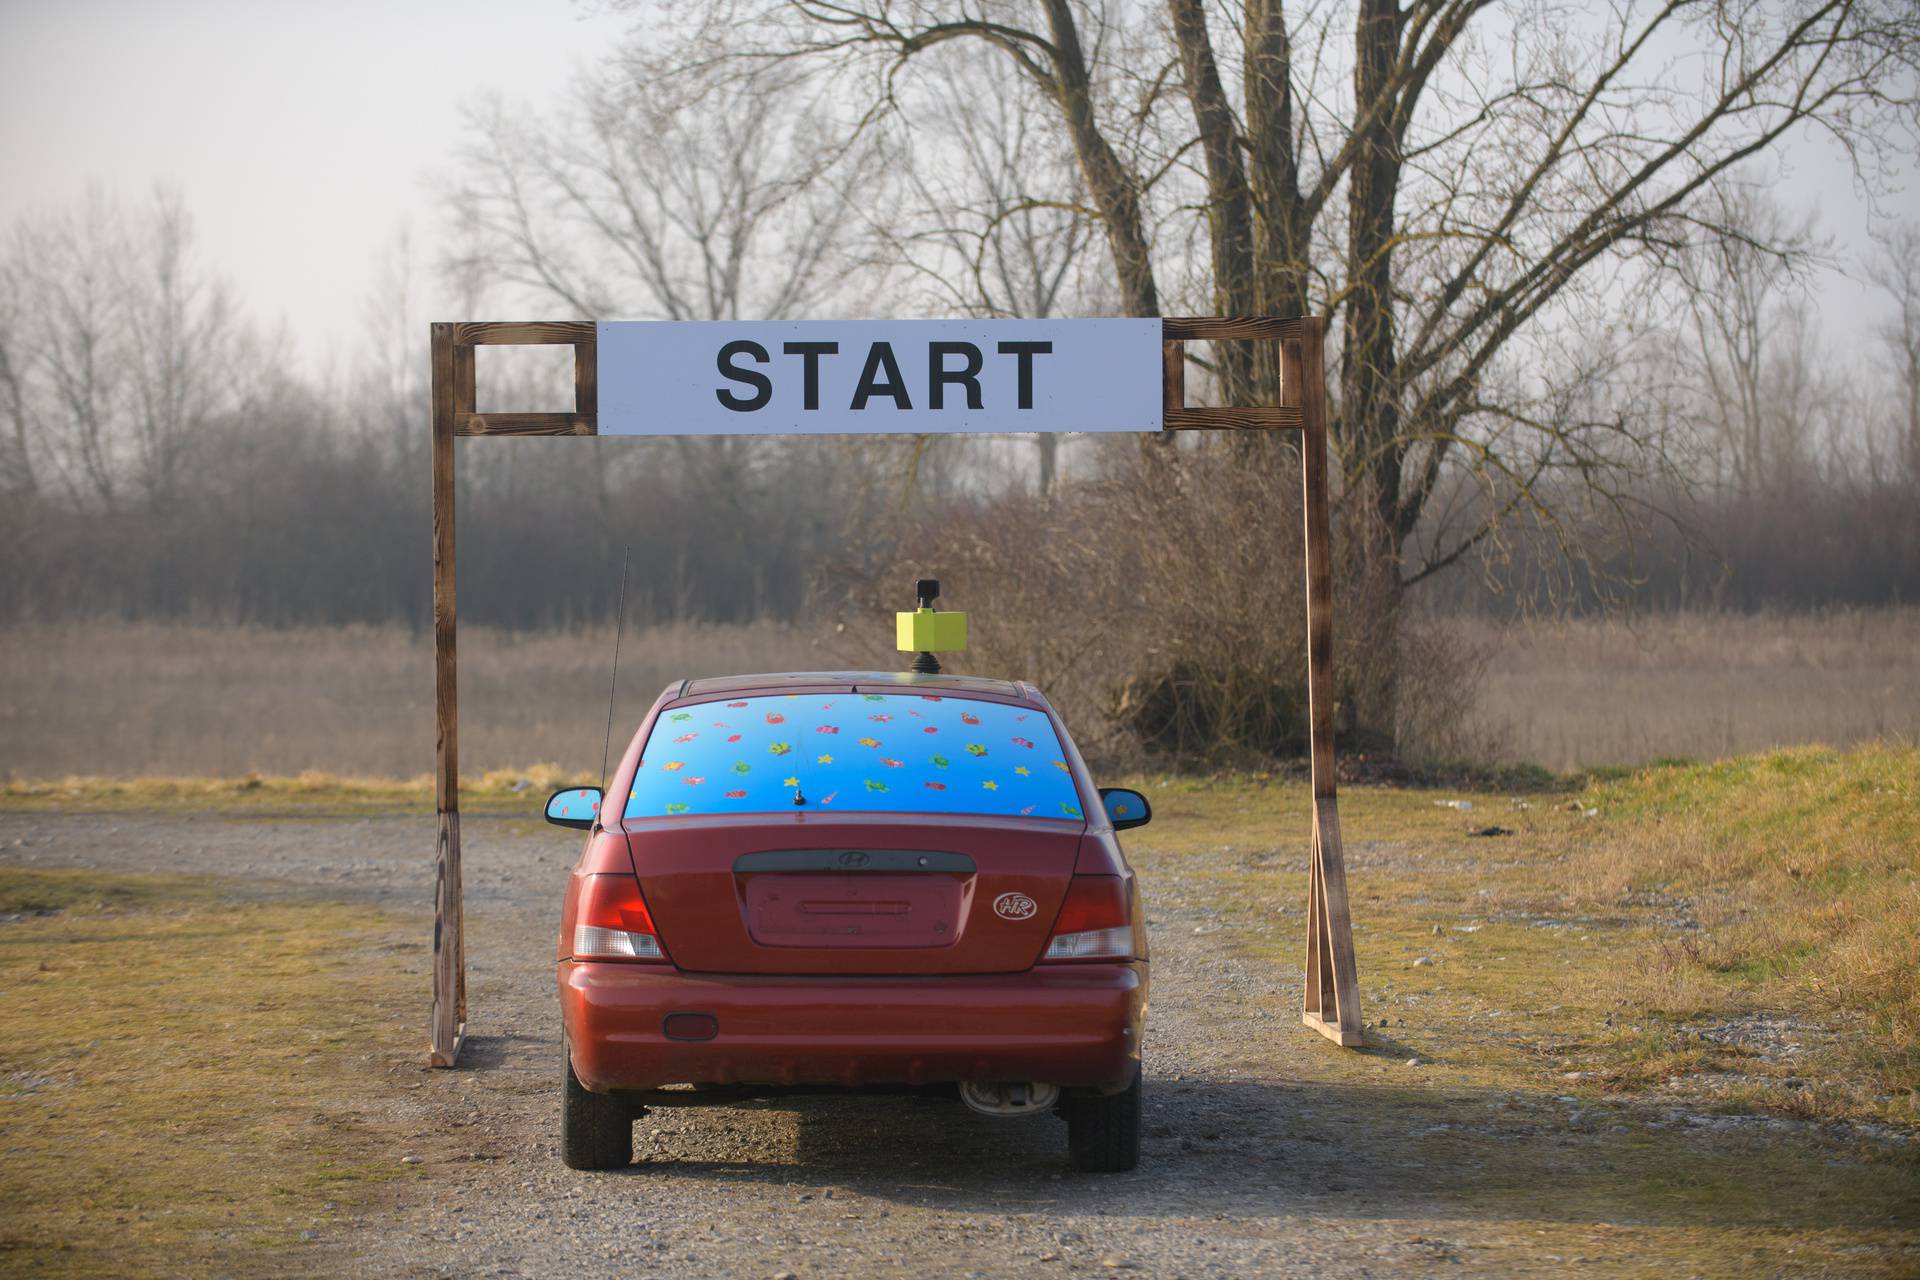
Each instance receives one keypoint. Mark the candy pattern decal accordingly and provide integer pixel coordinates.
(898, 764)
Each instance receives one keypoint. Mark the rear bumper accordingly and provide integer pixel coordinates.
(1073, 1025)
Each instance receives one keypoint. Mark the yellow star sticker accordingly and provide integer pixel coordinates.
(826, 759)
(1022, 770)
(791, 782)
(991, 785)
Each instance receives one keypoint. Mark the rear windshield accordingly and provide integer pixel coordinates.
(871, 753)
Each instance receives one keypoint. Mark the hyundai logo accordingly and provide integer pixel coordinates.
(853, 858)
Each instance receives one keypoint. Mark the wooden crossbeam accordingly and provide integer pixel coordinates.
(1332, 1003)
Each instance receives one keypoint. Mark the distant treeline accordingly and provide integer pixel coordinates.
(320, 526)
(289, 520)
(159, 460)
(1833, 542)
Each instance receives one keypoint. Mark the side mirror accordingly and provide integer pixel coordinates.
(1126, 808)
(577, 807)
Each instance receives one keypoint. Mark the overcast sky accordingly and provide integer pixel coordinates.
(301, 135)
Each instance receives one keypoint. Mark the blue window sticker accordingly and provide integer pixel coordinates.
(859, 753)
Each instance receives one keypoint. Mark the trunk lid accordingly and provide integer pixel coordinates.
(854, 894)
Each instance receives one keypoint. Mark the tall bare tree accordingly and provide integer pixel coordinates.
(639, 197)
(1744, 337)
(648, 195)
(1896, 270)
(119, 350)
(1442, 177)
(992, 223)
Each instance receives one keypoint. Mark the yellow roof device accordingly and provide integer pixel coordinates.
(927, 631)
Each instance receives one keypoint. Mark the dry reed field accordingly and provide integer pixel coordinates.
(1603, 691)
(148, 698)
(151, 698)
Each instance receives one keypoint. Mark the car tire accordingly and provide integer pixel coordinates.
(596, 1129)
(1103, 1132)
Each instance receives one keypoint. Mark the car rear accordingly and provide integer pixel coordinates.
(912, 893)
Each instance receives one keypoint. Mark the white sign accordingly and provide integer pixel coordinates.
(861, 377)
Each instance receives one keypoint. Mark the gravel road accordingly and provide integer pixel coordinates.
(1247, 1170)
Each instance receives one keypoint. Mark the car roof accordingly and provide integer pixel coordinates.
(855, 682)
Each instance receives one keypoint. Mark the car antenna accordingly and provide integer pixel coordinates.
(620, 624)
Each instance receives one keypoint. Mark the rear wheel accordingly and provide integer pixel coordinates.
(596, 1129)
(1103, 1132)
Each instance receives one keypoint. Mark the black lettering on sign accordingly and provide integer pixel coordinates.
(939, 377)
(894, 388)
(731, 370)
(1026, 351)
(810, 353)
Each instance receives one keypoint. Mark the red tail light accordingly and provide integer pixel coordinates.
(612, 922)
(1094, 922)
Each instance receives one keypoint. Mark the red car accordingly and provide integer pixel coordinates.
(835, 881)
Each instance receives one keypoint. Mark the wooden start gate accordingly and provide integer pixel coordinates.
(669, 378)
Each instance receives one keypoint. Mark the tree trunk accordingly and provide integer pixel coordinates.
(1108, 180)
(1280, 224)
(1369, 408)
(1229, 202)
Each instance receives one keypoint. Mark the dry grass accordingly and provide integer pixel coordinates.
(159, 1119)
(1801, 869)
(1743, 935)
(1736, 937)
(1573, 694)
(160, 699)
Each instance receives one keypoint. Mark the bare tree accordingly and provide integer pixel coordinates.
(1745, 340)
(652, 194)
(120, 350)
(642, 196)
(70, 319)
(993, 224)
(17, 474)
(187, 351)
(1442, 177)
(1897, 273)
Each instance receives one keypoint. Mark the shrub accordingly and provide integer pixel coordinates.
(1162, 606)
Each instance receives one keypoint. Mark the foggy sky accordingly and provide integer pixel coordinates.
(303, 136)
(300, 135)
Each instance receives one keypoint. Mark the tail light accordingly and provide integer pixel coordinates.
(612, 922)
(1094, 922)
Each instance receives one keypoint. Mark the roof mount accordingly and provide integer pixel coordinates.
(927, 630)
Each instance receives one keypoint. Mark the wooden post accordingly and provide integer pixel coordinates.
(1332, 1004)
(452, 374)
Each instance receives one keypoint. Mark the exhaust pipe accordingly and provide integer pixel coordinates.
(1018, 1099)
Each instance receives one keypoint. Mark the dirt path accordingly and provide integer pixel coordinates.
(1248, 1169)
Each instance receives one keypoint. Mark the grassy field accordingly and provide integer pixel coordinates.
(1744, 935)
(159, 1118)
(131, 699)
(1729, 949)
